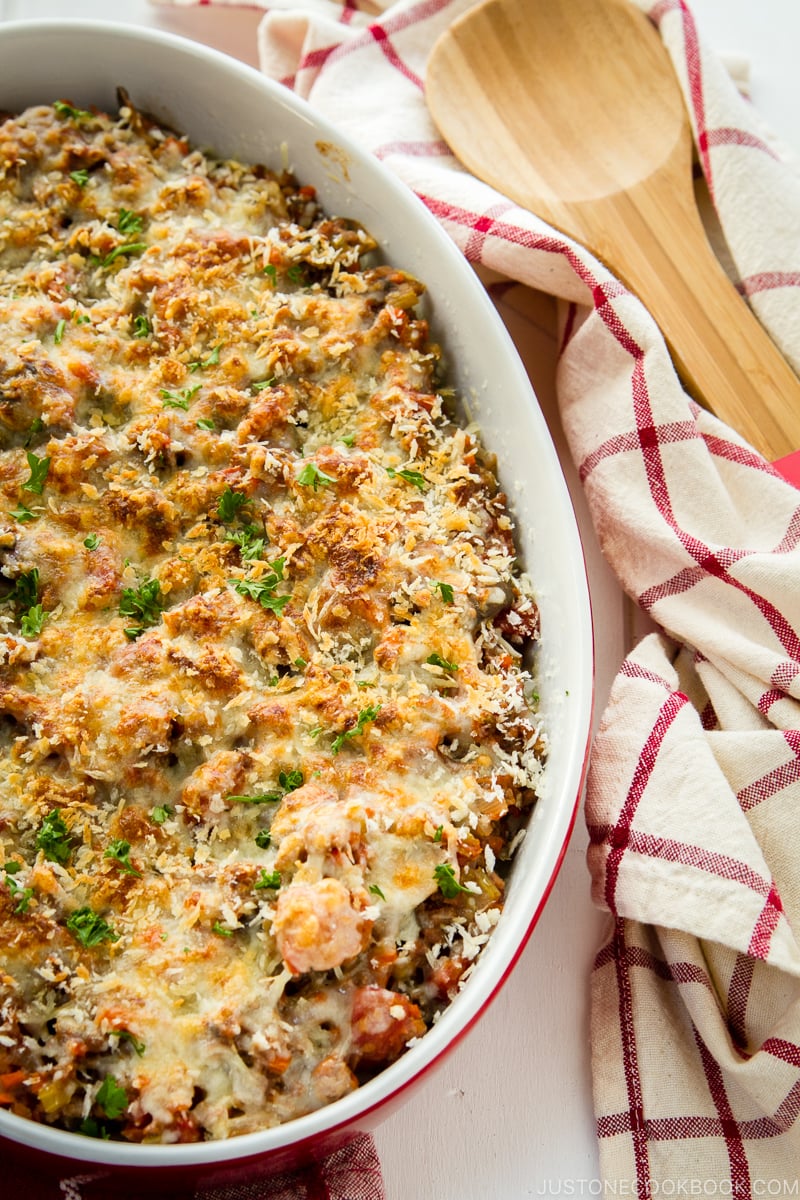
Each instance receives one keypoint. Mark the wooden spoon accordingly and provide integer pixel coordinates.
(572, 109)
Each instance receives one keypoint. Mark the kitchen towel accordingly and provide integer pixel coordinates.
(694, 789)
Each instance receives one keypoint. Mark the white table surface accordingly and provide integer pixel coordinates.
(509, 1113)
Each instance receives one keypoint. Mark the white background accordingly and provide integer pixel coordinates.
(509, 1114)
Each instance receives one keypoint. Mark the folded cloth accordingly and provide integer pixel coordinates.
(694, 787)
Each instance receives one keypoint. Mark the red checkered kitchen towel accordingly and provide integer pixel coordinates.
(693, 802)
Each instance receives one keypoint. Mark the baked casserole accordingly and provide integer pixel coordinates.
(268, 739)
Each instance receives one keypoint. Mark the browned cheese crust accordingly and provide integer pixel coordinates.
(266, 740)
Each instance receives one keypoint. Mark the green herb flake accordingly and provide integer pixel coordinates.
(125, 249)
(300, 663)
(211, 361)
(290, 781)
(271, 272)
(111, 1098)
(260, 384)
(437, 837)
(178, 400)
(266, 880)
(141, 326)
(206, 423)
(296, 273)
(25, 592)
(160, 814)
(445, 591)
(229, 504)
(38, 468)
(445, 877)
(23, 896)
(348, 439)
(257, 798)
(90, 929)
(36, 426)
(81, 177)
(376, 891)
(53, 838)
(436, 660)
(364, 718)
(129, 222)
(32, 622)
(125, 1035)
(219, 928)
(89, 1127)
(250, 540)
(119, 851)
(82, 318)
(413, 477)
(263, 590)
(263, 839)
(144, 602)
(65, 111)
(59, 333)
(92, 541)
(311, 476)
(22, 513)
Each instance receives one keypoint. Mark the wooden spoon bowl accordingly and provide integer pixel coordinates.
(572, 109)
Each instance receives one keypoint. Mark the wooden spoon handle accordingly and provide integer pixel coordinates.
(657, 245)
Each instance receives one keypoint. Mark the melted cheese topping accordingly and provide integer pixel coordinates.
(266, 738)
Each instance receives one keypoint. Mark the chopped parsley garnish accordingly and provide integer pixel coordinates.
(59, 333)
(160, 814)
(143, 602)
(263, 839)
(219, 928)
(290, 781)
(376, 891)
(271, 272)
(178, 400)
(263, 589)
(90, 929)
(111, 1098)
(36, 426)
(436, 660)
(364, 718)
(38, 468)
(296, 273)
(141, 326)
(348, 439)
(229, 504)
(92, 541)
(206, 423)
(258, 798)
(32, 621)
(260, 384)
(211, 361)
(418, 480)
(311, 476)
(250, 544)
(25, 592)
(66, 110)
(445, 877)
(125, 1035)
(437, 837)
(126, 248)
(266, 880)
(120, 851)
(53, 838)
(22, 513)
(20, 894)
(129, 222)
(89, 1127)
(446, 592)
(300, 663)
(81, 177)
(82, 318)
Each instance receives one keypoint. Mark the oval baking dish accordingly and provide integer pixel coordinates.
(220, 104)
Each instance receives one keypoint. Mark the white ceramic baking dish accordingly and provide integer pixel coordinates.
(228, 107)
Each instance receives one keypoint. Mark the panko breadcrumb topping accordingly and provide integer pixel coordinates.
(267, 741)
